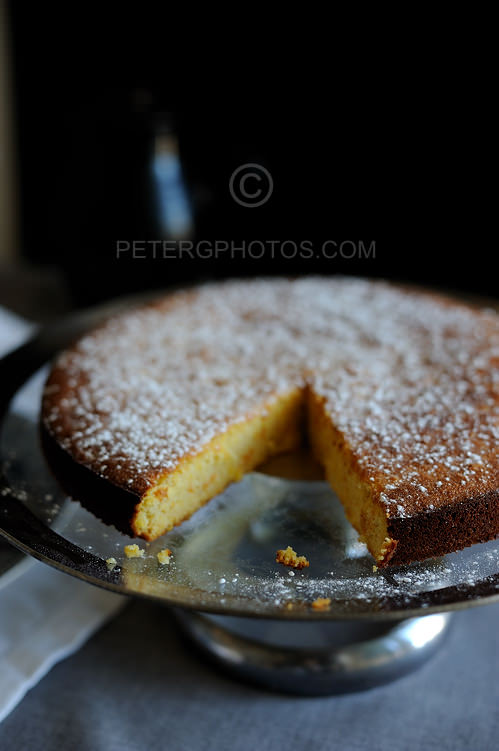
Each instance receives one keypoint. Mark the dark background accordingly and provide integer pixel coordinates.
(86, 152)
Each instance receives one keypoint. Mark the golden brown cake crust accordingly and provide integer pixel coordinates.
(410, 381)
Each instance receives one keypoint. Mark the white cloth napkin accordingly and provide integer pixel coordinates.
(45, 615)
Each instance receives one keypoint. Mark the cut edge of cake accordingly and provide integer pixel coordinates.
(365, 513)
(175, 495)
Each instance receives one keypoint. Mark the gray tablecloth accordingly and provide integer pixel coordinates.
(136, 685)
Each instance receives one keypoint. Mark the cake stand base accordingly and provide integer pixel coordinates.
(315, 658)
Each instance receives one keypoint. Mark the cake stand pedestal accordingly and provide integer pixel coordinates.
(285, 656)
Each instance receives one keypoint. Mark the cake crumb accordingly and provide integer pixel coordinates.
(164, 556)
(289, 557)
(133, 551)
(321, 603)
(111, 563)
(387, 550)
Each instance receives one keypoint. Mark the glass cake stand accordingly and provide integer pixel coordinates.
(249, 614)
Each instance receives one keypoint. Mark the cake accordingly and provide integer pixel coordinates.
(396, 391)
(133, 551)
(164, 556)
(321, 603)
(289, 557)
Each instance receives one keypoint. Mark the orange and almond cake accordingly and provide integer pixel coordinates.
(396, 390)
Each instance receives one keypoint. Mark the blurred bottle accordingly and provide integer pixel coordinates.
(121, 182)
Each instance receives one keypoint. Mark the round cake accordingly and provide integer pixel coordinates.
(396, 391)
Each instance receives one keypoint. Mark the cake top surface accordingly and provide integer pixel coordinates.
(411, 380)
